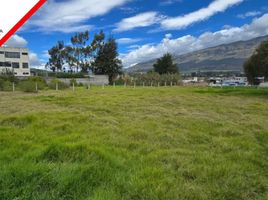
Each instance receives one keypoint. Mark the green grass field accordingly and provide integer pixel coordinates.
(144, 143)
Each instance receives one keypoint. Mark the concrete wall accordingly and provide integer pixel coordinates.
(264, 85)
(93, 80)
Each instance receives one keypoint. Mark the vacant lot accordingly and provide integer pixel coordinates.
(143, 143)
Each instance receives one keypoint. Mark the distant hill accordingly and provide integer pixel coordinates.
(226, 57)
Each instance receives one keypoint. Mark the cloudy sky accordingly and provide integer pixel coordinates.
(144, 29)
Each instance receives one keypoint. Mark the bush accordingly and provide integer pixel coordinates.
(123, 79)
(61, 85)
(66, 75)
(6, 85)
(27, 86)
(155, 78)
(32, 84)
(10, 78)
(73, 82)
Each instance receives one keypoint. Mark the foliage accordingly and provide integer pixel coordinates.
(27, 86)
(123, 79)
(257, 64)
(154, 78)
(57, 84)
(134, 144)
(5, 85)
(100, 56)
(57, 57)
(78, 54)
(165, 65)
(6, 82)
(68, 75)
(73, 82)
(32, 84)
(106, 61)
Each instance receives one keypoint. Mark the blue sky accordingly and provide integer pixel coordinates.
(144, 29)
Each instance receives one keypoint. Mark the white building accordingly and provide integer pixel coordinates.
(14, 60)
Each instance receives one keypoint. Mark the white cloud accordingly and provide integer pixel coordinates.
(168, 35)
(174, 23)
(128, 40)
(16, 41)
(140, 20)
(71, 16)
(249, 14)
(188, 43)
(169, 2)
(199, 15)
(34, 60)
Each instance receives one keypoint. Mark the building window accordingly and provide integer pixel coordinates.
(24, 53)
(12, 54)
(25, 73)
(25, 65)
(16, 65)
(8, 64)
(2, 64)
(1, 52)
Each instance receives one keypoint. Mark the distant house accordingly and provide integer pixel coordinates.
(15, 61)
(228, 81)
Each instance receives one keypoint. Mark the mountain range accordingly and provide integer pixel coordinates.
(226, 57)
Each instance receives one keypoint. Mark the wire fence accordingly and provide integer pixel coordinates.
(32, 86)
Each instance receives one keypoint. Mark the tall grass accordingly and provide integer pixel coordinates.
(143, 143)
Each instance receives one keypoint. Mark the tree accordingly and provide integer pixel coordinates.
(57, 57)
(257, 64)
(78, 55)
(106, 60)
(165, 65)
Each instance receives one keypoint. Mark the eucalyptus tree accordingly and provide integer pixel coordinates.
(79, 53)
(57, 57)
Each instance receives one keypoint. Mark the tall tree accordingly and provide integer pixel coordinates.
(257, 64)
(78, 55)
(106, 60)
(57, 57)
(97, 42)
(165, 65)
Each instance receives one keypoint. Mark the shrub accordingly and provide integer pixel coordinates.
(155, 78)
(27, 86)
(123, 79)
(6, 85)
(73, 81)
(68, 75)
(61, 85)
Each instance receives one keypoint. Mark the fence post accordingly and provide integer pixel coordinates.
(143, 84)
(114, 84)
(125, 85)
(171, 84)
(103, 86)
(158, 84)
(134, 85)
(13, 87)
(57, 86)
(165, 84)
(73, 87)
(36, 87)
